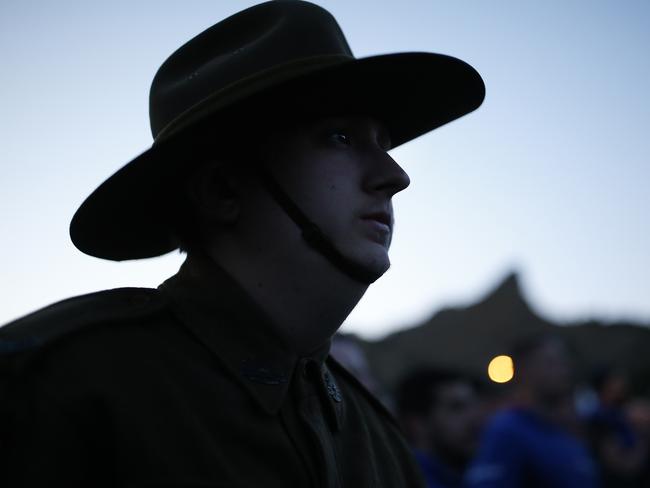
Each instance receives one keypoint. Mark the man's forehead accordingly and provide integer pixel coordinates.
(268, 135)
(365, 121)
(286, 122)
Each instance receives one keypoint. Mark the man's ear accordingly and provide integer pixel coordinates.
(213, 191)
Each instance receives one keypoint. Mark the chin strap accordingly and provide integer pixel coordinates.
(312, 234)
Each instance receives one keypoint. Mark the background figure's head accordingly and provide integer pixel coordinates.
(543, 368)
(347, 351)
(611, 386)
(440, 412)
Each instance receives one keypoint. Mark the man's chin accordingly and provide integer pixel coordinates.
(375, 264)
(371, 257)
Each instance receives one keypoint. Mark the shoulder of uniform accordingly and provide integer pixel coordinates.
(343, 373)
(67, 316)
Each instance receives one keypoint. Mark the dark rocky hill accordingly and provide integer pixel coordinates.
(467, 338)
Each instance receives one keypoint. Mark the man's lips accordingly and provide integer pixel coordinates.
(383, 218)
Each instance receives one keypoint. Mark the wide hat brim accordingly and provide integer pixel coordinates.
(128, 216)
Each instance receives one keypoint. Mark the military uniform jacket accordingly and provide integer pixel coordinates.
(183, 386)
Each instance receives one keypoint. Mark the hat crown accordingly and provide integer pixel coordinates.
(246, 44)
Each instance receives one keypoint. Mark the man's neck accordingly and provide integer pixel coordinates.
(307, 299)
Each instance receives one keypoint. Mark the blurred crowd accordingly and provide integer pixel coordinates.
(542, 429)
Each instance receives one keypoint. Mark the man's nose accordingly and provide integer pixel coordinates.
(385, 175)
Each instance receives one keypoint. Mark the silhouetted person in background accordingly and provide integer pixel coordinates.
(349, 354)
(621, 452)
(440, 415)
(536, 442)
(270, 168)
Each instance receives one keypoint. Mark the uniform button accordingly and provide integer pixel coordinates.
(332, 390)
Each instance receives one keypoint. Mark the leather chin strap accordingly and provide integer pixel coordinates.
(312, 234)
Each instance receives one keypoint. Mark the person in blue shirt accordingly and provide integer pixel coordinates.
(440, 416)
(536, 442)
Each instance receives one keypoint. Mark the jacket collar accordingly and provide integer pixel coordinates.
(219, 313)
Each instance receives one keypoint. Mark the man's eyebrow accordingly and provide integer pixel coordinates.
(339, 121)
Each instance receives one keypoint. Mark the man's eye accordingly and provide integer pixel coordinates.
(340, 138)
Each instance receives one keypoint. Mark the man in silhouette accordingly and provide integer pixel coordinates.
(270, 169)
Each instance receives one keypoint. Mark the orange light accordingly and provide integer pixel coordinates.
(501, 369)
